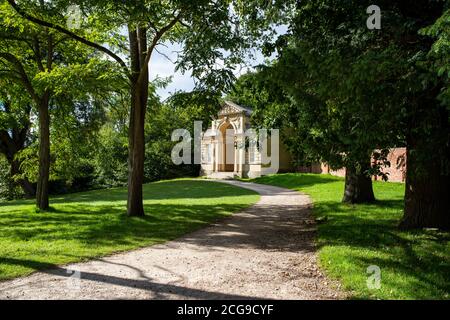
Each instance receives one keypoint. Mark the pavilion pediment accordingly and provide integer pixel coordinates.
(227, 110)
(230, 108)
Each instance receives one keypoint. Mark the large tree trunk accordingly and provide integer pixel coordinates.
(427, 200)
(426, 197)
(44, 154)
(136, 139)
(358, 184)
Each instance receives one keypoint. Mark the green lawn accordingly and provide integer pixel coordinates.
(91, 224)
(414, 265)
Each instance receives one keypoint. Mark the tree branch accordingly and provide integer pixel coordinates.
(23, 75)
(164, 55)
(15, 38)
(61, 40)
(49, 52)
(157, 37)
(74, 36)
(37, 53)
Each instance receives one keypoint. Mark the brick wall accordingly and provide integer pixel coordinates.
(396, 172)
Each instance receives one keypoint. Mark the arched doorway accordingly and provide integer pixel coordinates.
(227, 148)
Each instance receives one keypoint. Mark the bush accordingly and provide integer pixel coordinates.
(8, 189)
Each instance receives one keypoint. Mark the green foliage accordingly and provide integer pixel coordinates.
(75, 137)
(93, 224)
(439, 55)
(414, 265)
(75, 77)
(179, 112)
(272, 109)
(8, 189)
(350, 90)
(111, 158)
(214, 37)
(266, 97)
(75, 144)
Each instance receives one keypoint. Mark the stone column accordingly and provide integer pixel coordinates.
(241, 160)
(216, 156)
(236, 160)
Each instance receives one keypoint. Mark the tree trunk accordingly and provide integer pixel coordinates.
(27, 187)
(44, 154)
(136, 139)
(136, 154)
(358, 184)
(427, 199)
(24, 183)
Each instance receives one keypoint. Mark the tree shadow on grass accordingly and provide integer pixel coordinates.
(102, 225)
(161, 190)
(364, 235)
(107, 226)
(64, 237)
(429, 271)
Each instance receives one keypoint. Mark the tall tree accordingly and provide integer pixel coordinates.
(363, 89)
(315, 127)
(19, 48)
(427, 203)
(41, 61)
(211, 33)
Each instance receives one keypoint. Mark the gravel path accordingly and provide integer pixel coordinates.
(266, 251)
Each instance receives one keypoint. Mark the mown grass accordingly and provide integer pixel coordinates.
(91, 224)
(414, 264)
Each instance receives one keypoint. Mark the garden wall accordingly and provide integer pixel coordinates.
(396, 172)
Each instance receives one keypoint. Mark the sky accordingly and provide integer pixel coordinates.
(162, 67)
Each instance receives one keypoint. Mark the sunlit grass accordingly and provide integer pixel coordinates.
(414, 265)
(91, 224)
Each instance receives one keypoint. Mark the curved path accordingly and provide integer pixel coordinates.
(265, 251)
